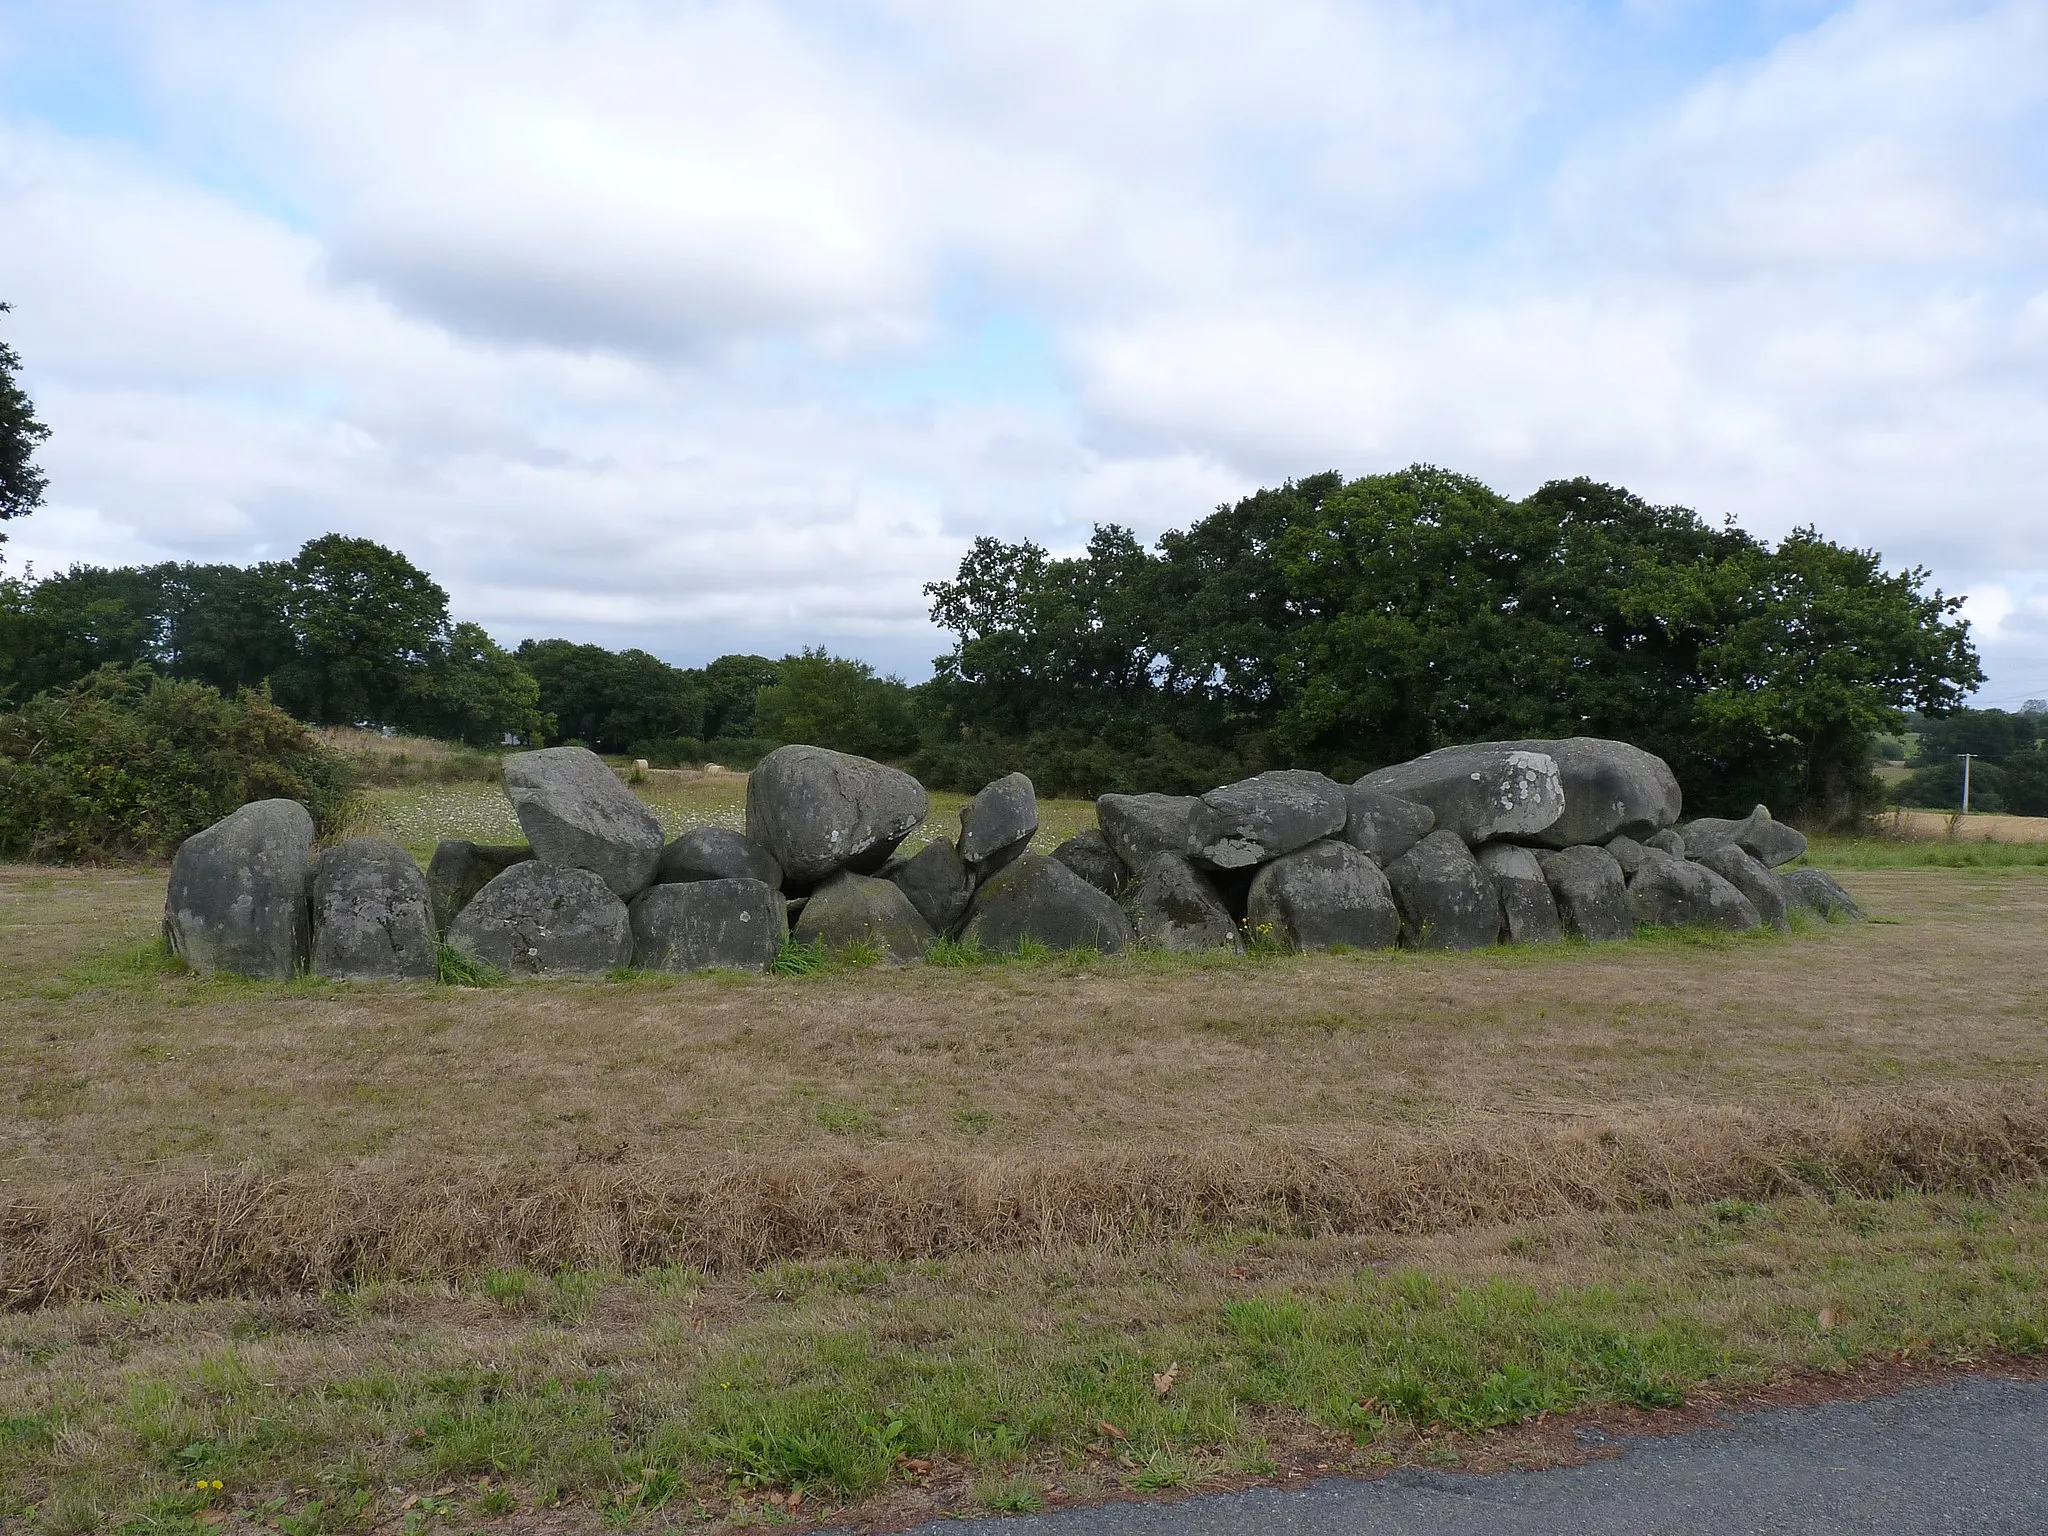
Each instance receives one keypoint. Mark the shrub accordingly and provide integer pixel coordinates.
(124, 763)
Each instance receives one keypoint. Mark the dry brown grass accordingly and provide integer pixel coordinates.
(1976, 827)
(202, 1233)
(183, 1136)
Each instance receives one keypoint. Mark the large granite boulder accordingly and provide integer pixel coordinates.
(541, 919)
(860, 909)
(460, 869)
(1446, 901)
(237, 895)
(1630, 854)
(716, 853)
(1822, 893)
(1482, 792)
(1773, 899)
(998, 823)
(1138, 826)
(1591, 893)
(1173, 906)
(937, 881)
(1667, 841)
(1324, 896)
(1258, 819)
(1610, 788)
(818, 812)
(577, 814)
(1383, 826)
(735, 924)
(1042, 900)
(1769, 842)
(373, 916)
(1088, 854)
(1678, 893)
(1527, 909)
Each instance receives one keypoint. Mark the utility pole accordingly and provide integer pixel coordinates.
(1966, 756)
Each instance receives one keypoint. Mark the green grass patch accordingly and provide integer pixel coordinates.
(457, 968)
(1145, 1369)
(1923, 853)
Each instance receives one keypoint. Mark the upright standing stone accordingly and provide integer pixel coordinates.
(716, 853)
(545, 919)
(1483, 792)
(1591, 893)
(859, 909)
(237, 895)
(1528, 911)
(1823, 893)
(578, 815)
(696, 925)
(937, 881)
(1383, 826)
(1445, 898)
(1088, 854)
(1767, 891)
(1677, 893)
(1255, 820)
(1038, 899)
(372, 914)
(460, 869)
(1173, 907)
(819, 812)
(997, 824)
(1138, 826)
(1328, 895)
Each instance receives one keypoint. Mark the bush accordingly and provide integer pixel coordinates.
(1939, 787)
(689, 752)
(124, 763)
(1074, 763)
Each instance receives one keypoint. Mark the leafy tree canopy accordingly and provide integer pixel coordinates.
(21, 483)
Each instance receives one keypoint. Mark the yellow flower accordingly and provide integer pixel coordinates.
(218, 1483)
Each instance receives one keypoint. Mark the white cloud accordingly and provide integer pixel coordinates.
(583, 305)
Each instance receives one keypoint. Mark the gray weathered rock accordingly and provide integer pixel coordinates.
(237, 895)
(1482, 792)
(1675, 893)
(577, 814)
(1088, 854)
(716, 853)
(1138, 826)
(1667, 841)
(1323, 896)
(1610, 788)
(460, 869)
(997, 824)
(1040, 899)
(1383, 826)
(1446, 901)
(1628, 853)
(1260, 818)
(1822, 893)
(860, 909)
(540, 919)
(1769, 842)
(818, 812)
(372, 914)
(1773, 899)
(695, 925)
(937, 881)
(1591, 893)
(1528, 910)
(1173, 906)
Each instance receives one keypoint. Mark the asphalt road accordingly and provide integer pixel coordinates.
(1964, 1456)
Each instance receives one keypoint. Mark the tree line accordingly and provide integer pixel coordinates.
(1324, 623)
(2010, 771)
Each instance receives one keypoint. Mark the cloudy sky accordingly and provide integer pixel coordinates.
(723, 326)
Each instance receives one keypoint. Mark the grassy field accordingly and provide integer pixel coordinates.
(666, 1253)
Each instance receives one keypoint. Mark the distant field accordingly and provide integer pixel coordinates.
(421, 815)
